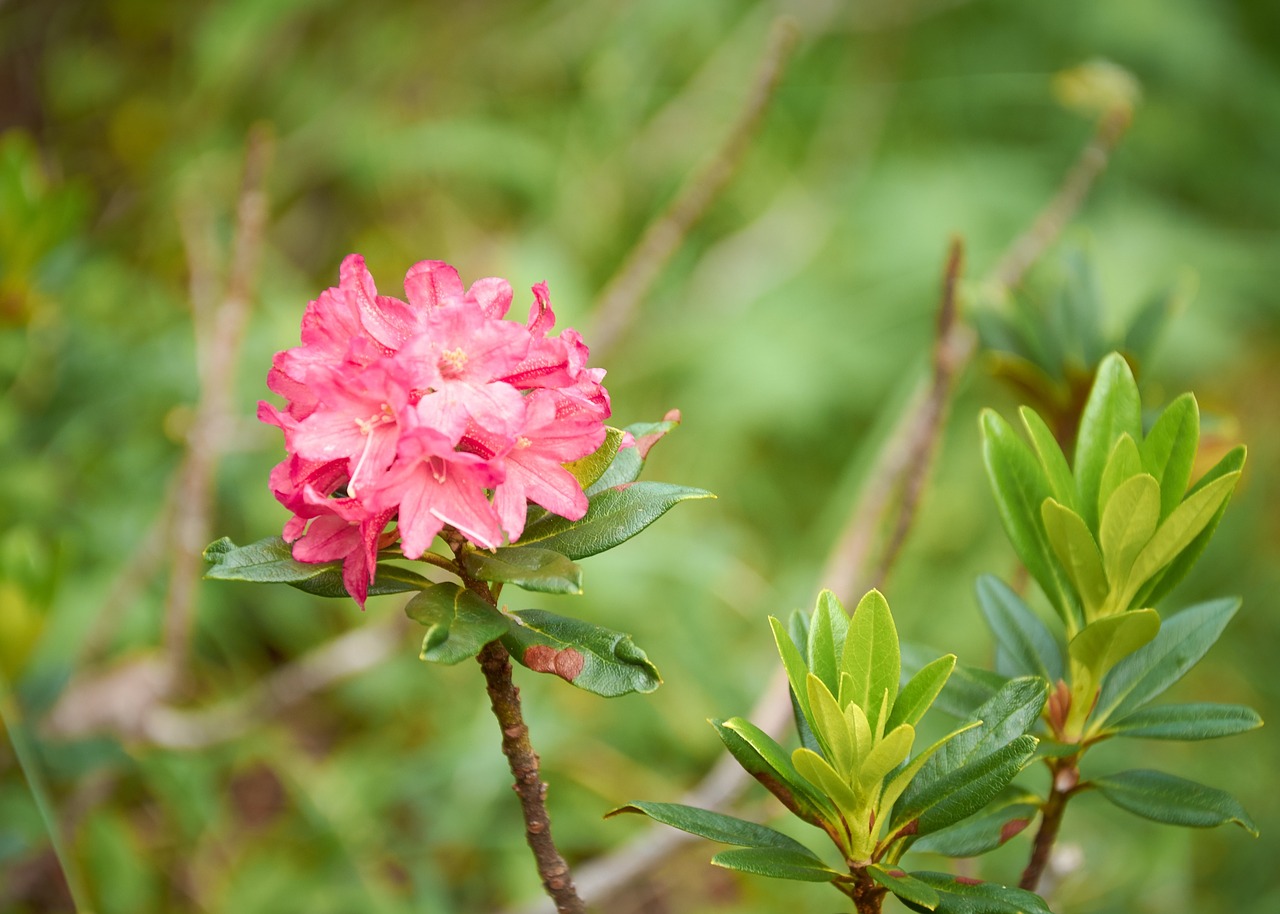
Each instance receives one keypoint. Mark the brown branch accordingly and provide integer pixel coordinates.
(621, 297)
(896, 465)
(1065, 782)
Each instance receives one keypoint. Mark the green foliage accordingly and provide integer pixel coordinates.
(459, 624)
(858, 782)
(591, 657)
(271, 561)
(1173, 800)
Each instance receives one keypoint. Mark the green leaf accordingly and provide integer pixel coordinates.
(1169, 450)
(1123, 464)
(965, 790)
(629, 461)
(827, 632)
(596, 659)
(903, 777)
(1052, 460)
(271, 561)
(1025, 640)
(1082, 308)
(905, 886)
(525, 566)
(1187, 721)
(821, 774)
(458, 623)
(920, 691)
(872, 656)
(1021, 486)
(1074, 546)
(1181, 528)
(707, 824)
(1003, 818)
(1148, 323)
(1097, 649)
(794, 664)
(589, 469)
(1113, 409)
(834, 734)
(884, 757)
(778, 863)
(962, 895)
(1127, 526)
(768, 763)
(1161, 584)
(1173, 800)
(1183, 639)
(614, 516)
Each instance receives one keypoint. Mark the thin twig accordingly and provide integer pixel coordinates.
(621, 297)
(849, 557)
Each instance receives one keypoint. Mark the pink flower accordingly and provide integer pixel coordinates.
(435, 411)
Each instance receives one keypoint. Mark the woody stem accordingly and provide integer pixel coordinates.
(1066, 776)
(504, 699)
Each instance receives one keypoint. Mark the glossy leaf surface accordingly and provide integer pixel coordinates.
(525, 566)
(458, 623)
(591, 657)
(1173, 800)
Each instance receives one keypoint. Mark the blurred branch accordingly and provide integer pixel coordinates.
(621, 297)
(901, 465)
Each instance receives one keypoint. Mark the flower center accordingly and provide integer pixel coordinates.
(452, 363)
(522, 442)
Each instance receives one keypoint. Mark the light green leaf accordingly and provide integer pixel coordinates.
(593, 658)
(819, 772)
(885, 756)
(902, 778)
(1122, 464)
(905, 886)
(1159, 586)
(525, 566)
(1173, 800)
(1074, 546)
(713, 825)
(958, 895)
(1113, 409)
(613, 517)
(769, 764)
(589, 469)
(1187, 721)
(778, 863)
(458, 623)
(1101, 644)
(1183, 639)
(827, 631)
(830, 727)
(1052, 460)
(920, 691)
(794, 665)
(1128, 523)
(1020, 487)
(872, 656)
(1169, 450)
(271, 561)
(1181, 528)
(1027, 641)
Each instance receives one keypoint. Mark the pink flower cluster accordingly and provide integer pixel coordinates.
(428, 412)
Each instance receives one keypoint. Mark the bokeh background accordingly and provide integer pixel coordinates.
(536, 140)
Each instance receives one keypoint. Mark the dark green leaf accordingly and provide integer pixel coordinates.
(629, 461)
(1113, 409)
(1032, 649)
(1173, 800)
(1003, 818)
(1054, 462)
(525, 566)
(1148, 323)
(1187, 721)
(271, 561)
(1021, 486)
(596, 659)
(713, 825)
(589, 469)
(778, 863)
(614, 516)
(769, 763)
(1183, 639)
(964, 790)
(1169, 450)
(458, 623)
(905, 886)
(961, 895)
(1082, 308)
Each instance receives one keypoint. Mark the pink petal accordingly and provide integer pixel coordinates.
(493, 295)
(388, 320)
(430, 284)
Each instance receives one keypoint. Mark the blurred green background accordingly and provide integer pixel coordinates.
(536, 140)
